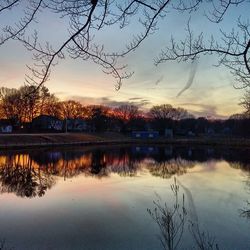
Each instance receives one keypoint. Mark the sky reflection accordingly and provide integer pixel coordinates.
(98, 198)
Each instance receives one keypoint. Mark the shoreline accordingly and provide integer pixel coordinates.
(26, 141)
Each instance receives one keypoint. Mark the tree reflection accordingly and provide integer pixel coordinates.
(245, 167)
(172, 220)
(167, 169)
(98, 164)
(245, 212)
(4, 246)
(21, 177)
(202, 239)
(32, 173)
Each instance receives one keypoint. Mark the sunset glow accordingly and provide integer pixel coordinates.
(211, 94)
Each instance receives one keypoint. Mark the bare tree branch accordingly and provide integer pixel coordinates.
(88, 17)
(9, 5)
(233, 51)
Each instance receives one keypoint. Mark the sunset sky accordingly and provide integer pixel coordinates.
(211, 94)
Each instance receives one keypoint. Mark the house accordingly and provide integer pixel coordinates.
(169, 133)
(190, 133)
(145, 134)
(210, 132)
(76, 125)
(226, 131)
(47, 122)
(5, 126)
(181, 132)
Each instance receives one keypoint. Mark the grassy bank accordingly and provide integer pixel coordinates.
(50, 139)
(8, 141)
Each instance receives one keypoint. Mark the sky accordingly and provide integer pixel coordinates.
(211, 94)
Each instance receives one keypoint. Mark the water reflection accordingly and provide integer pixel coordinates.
(166, 169)
(245, 166)
(96, 198)
(170, 219)
(32, 173)
(19, 174)
(4, 245)
(173, 220)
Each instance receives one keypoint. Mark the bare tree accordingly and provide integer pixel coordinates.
(127, 112)
(167, 111)
(246, 103)
(11, 107)
(86, 18)
(24, 104)
(71, 109)
(232, 49)
(20, 105)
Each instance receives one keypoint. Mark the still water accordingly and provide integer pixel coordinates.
(125, 197)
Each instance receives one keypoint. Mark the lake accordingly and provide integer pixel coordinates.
(125, 197)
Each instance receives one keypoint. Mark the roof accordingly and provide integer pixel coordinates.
(42, 117)
(5, 122)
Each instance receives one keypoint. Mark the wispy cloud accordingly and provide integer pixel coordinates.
(190, 78)
(159, 80)
(137, 101)
(134, 98)
(203, 110)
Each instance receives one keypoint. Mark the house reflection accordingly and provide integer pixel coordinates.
(32, 173)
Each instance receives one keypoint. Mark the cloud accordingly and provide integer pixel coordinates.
(134, 98)
(159, 80)
(137, 101)
(190, 79)
(203, 110)
(60, 93)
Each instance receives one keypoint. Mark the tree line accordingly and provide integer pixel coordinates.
(24, 104)
(20, 106)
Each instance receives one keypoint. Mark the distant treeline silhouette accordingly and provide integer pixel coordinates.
(19, 107)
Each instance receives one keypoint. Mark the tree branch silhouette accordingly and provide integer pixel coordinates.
(88, 17)
(233, 51)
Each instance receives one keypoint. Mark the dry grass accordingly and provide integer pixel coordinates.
(46, 139)
(53, 139)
